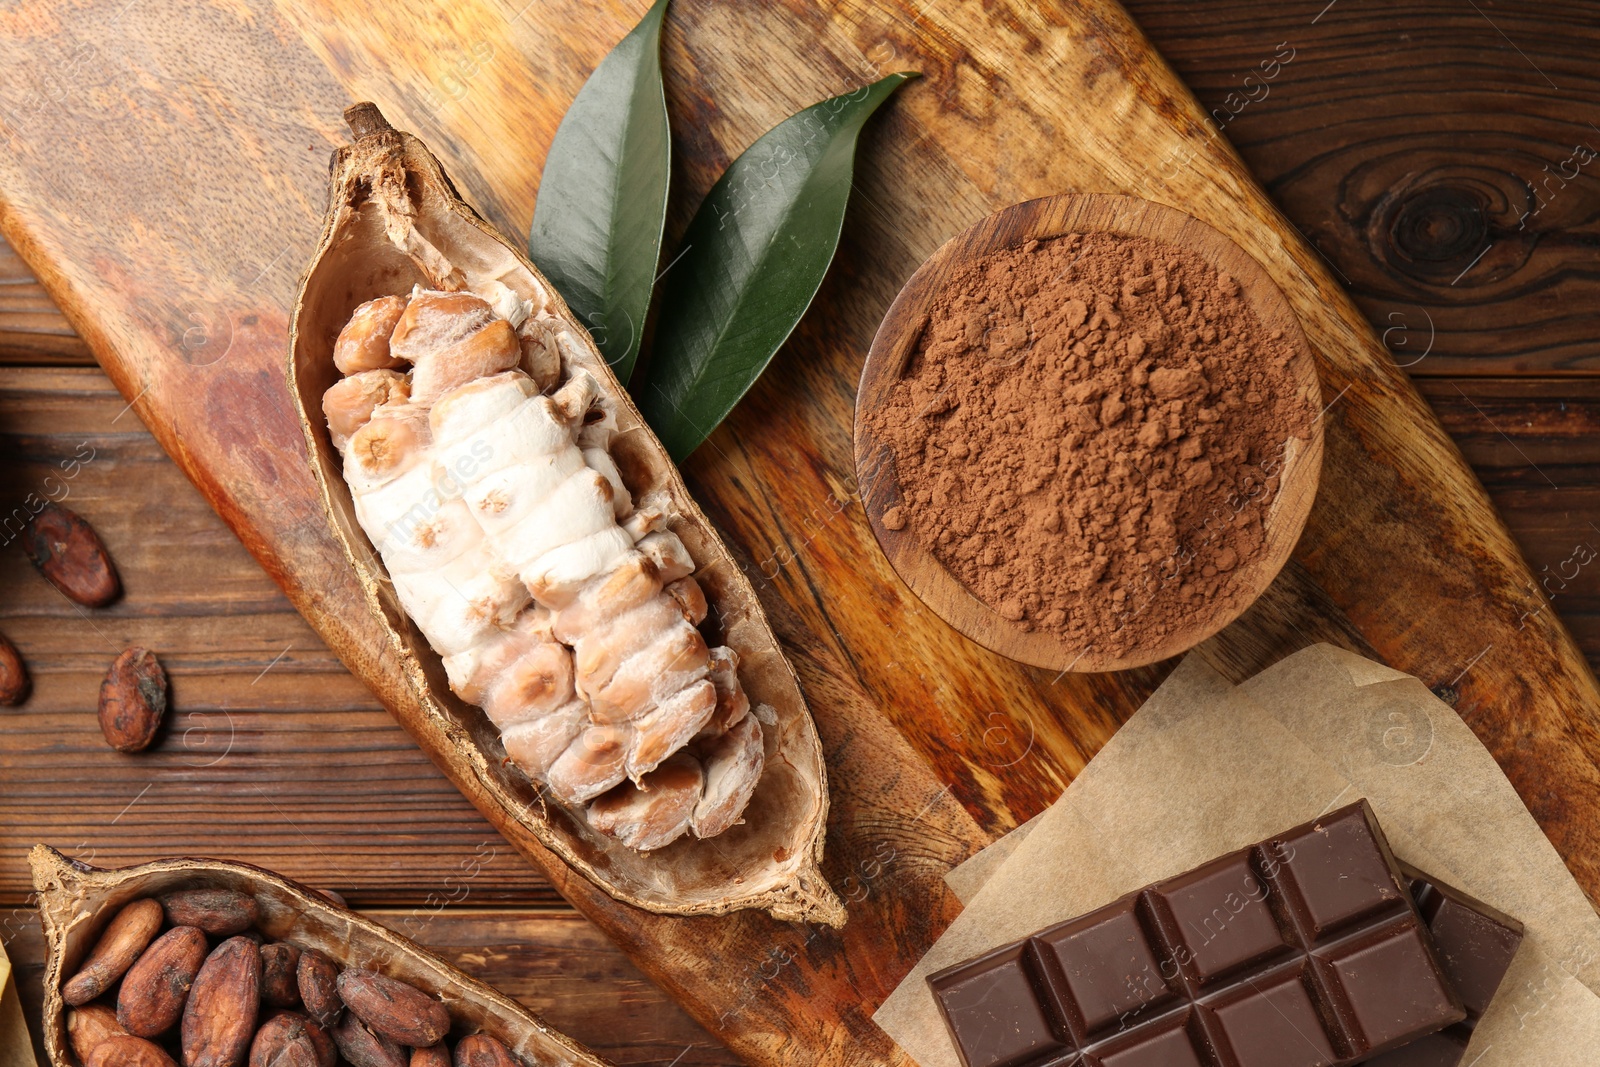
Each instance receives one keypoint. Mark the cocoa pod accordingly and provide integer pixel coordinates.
(154, 989)
(220, 1018)
(481, 1050)
(317, 977)
(393, 1009)
(219, 912)
(285, 1040)
(14, 684)
(431, 1056)
(363, 1048)
(133, 700)
(88, 1026)
(71, 556)
(280, 986)
(128, 1051)
(127, 935)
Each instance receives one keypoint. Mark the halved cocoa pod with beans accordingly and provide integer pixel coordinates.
(440, 380)
(78, 903)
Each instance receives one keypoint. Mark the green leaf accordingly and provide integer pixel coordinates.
(596, 230)
(751, 261)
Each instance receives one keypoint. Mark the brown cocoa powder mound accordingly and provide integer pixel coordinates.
(1089, 435)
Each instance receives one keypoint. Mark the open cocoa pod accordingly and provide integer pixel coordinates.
(395, 222)
(76, 902)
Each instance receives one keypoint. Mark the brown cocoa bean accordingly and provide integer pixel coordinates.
(127, 935)
(154, 989)
(285, 1040)
(219, 912)
(363, 1048)
(220, 1018)
(431, 1056)
(14, 684)
(327, 1051)
(88, 1026)
(317, 976)
(128, 1051)
(71, 556)
(133, 701)
(391, 1008)
(481, 1050)
(280, 986)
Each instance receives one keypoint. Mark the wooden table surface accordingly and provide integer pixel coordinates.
(1401, 138)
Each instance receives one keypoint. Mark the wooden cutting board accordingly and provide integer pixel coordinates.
(163, 174)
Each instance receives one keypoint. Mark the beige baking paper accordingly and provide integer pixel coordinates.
(16, 1047)
(1207, 769)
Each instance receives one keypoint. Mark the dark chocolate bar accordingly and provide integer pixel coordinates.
(1305, 950)
(1474, 945)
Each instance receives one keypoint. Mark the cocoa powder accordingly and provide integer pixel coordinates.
(1090, 432)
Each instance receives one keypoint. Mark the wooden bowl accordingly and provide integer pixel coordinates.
(897, 339)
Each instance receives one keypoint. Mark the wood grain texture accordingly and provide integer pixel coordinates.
(894, 345)
(31, 327)
(934, 744)
(1408, 141)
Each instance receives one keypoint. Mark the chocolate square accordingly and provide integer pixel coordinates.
(1103, 969)
(994, 1011)
(1388, 982)
(1333, 872)
(1271, 1022)
(1166, 1044)
(1474, 947)
(1218, 919)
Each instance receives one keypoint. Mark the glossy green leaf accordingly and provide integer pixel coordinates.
(749, 265)
(596, 230)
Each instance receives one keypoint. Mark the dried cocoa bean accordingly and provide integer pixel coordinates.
(71, 556)
(91, 1024)
(133, 701)
(327, 1051)
(154, 989)
(128, 1051)
(219, 912)
(481, 1050)
(127, 935)
(318, 976)
(363, 1048)
(280, 986)
(220, 1018)
(391, 1008)
(285, 1040)
(431, 1056)
(14, 684)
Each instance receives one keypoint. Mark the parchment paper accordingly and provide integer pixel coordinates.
(1203, 769)
(16, 1046)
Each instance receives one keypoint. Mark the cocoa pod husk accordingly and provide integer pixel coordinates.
(317, 977)
(89, 1025)
(219, 912)
(127, 935)
(394, 1009)
(220, 1018)
(128, 1051)
(481, 1050)
(280, 985)
(133, 700)
(157, 985)
(431, 1056)
(285, 1040)
(363, 1048)
(14, 682)
(71, 556)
